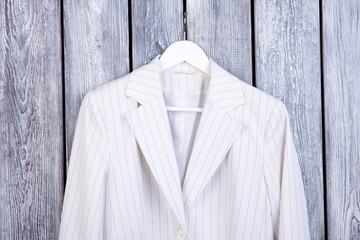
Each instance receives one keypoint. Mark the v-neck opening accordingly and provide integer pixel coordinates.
(184, 86)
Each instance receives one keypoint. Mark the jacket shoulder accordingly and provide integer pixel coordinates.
(110, 95)
(260, 106)
(254, 95)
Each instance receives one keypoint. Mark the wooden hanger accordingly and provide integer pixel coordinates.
(189, 52)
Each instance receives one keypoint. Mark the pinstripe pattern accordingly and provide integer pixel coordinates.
(139, 172)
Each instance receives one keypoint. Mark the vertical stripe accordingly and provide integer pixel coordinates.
(124, 193)
(127, 172)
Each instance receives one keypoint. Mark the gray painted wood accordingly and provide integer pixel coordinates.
(96, 35)
(155, 25)
(31, 118)
(288, 67)
(341, 51)
(223, 30)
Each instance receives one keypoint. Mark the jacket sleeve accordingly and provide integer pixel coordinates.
(283, 178)
(84, 203)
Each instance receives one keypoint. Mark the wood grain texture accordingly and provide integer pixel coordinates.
(96, 35)
(341, 51)
(223, 30)
(288, 67)
(155, 25)
(31, 137)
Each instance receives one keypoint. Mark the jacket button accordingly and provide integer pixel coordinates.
(181, 235)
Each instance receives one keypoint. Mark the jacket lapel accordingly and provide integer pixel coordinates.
(150, 125)
(217, 129)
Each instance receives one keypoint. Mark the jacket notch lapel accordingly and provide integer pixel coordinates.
(150, 126)
(218, 128)
(217, 132)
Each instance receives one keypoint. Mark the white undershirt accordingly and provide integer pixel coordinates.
(184, 86)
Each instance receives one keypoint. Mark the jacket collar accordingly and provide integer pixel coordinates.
(217, 130)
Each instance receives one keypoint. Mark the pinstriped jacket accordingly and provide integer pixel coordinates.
(138, 171)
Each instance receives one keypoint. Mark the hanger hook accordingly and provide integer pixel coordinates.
(185, 25)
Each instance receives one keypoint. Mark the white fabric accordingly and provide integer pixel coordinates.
(183, 86)
(137, 171)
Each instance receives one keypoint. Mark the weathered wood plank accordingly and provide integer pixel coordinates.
(155, 25)
(96, 35)
(31, 137)
(223, 30)
(341, 51)
(287, 40)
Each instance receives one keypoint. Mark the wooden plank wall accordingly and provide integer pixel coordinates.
(288, 66)
(53, 52)
(31, 120)
(341, 51)
(96, 50)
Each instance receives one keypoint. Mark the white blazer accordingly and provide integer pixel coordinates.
(138, 171)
